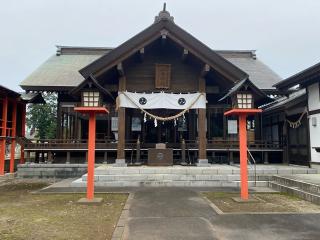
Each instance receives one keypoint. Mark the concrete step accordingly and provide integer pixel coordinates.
(222, 170)
(305, 186)
(173, 177)
(168, 183)
(295, 191)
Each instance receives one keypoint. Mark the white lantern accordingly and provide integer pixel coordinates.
(243, 100)
(91, 99)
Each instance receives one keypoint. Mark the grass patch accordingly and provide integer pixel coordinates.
(268, 202)
(55, 216)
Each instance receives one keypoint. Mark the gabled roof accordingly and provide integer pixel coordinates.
(305, 77)
(25, 97)
(259, 73)
(284, 102)
(8, 92)
(259, 94)
(61, 71)
(164, 24)
(92, 82)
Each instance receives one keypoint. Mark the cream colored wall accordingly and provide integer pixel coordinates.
(314, 120)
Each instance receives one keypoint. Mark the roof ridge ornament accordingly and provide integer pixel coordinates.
(164, 15)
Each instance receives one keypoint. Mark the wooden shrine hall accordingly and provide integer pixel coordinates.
(166, 93)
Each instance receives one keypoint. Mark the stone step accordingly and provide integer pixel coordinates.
(227, 170)
(305, 186)
(173, 177)
(168, 183)
(296, 191)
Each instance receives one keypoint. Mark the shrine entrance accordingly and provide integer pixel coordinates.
(166, 132)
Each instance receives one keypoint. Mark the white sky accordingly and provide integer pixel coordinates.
(285, 33)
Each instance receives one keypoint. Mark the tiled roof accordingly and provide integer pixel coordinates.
(62, 69)
(283, 101)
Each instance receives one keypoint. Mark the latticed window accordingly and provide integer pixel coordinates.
(91, 99)
(163, 76)
(244, 100)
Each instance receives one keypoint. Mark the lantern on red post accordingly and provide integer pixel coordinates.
(243, 106)
(91, 104)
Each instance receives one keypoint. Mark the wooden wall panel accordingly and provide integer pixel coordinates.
(141, 75)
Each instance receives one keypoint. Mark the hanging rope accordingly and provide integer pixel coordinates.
(297, 123)
(159, 118)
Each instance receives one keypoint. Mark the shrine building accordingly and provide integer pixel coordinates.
(164, 89)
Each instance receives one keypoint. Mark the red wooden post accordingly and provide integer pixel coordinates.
(13, 135)
(91, 155)
(243, 155)
(3, 134)
(92, 111)
(243, 148)
(23, 131)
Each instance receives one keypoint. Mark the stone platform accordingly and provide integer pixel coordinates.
(185, 176)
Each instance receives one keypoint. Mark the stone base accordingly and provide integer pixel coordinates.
(8, 176)
(315, 165)
(203, 163)
(240, 200)
(95, 201)
(120, 163)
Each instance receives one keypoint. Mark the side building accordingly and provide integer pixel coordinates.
(308, 81)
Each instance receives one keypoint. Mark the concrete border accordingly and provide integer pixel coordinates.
(220, 212)
(123, 220)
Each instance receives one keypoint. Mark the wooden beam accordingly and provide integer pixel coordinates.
(205, 70)
(164, 34)
(120, 69)
(185, 55)
(141, 54)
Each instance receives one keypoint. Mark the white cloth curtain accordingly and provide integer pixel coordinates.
(162, 100)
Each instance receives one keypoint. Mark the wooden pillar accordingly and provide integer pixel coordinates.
(285, 158)
(120, 161)
(28, 158)
(183, 152)
(23, 131)
(105, 157)
(138, 151)
(231, 161)
(68, 158)
(202, 159)
(3, 134)
(13, 135)
(50, 157)
(266, 158)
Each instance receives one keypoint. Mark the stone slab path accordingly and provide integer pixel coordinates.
(169, 213)
(181, 213)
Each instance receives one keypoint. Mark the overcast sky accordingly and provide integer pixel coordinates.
(285, 33)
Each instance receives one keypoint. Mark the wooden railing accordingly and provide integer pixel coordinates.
(131, 144)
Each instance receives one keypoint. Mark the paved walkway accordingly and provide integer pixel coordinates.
(178, 213)
(169, 213)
